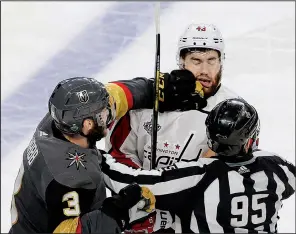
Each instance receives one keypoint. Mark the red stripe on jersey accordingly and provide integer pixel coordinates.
(128, 94)
(117, 138)
(78, 229)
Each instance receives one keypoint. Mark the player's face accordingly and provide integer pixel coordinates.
(206, 67)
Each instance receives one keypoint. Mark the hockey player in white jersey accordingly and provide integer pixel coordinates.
(181, 135)
(240, 190)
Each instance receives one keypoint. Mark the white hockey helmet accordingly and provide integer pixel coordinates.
(201, 36)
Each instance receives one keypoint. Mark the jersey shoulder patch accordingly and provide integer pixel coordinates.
(70, 164)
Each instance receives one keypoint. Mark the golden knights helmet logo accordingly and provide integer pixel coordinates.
(83, 96)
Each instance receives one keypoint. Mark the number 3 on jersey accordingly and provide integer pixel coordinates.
(240, 206)
(72, 199)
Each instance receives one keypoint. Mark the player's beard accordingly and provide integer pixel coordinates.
(213, 89)
(96, 134)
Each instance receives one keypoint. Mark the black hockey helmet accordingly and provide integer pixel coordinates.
(76, 99)
(232, 127)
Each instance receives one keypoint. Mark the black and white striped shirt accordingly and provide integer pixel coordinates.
(213, 196)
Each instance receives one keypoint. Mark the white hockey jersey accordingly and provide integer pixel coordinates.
(181, 137)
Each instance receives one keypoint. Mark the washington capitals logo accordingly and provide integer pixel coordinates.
(148, 127)
(76, 158)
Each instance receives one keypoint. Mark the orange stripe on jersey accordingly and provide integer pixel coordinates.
(128, 94)
(122, 97)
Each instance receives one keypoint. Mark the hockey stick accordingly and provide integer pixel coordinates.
(185, 147)
(156, 90)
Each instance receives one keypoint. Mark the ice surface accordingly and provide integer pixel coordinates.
(44, 42)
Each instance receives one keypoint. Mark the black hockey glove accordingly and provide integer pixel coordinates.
(118, 206)
(180, 90)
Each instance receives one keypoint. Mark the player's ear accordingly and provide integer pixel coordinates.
(88, 124)
(182, 62)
